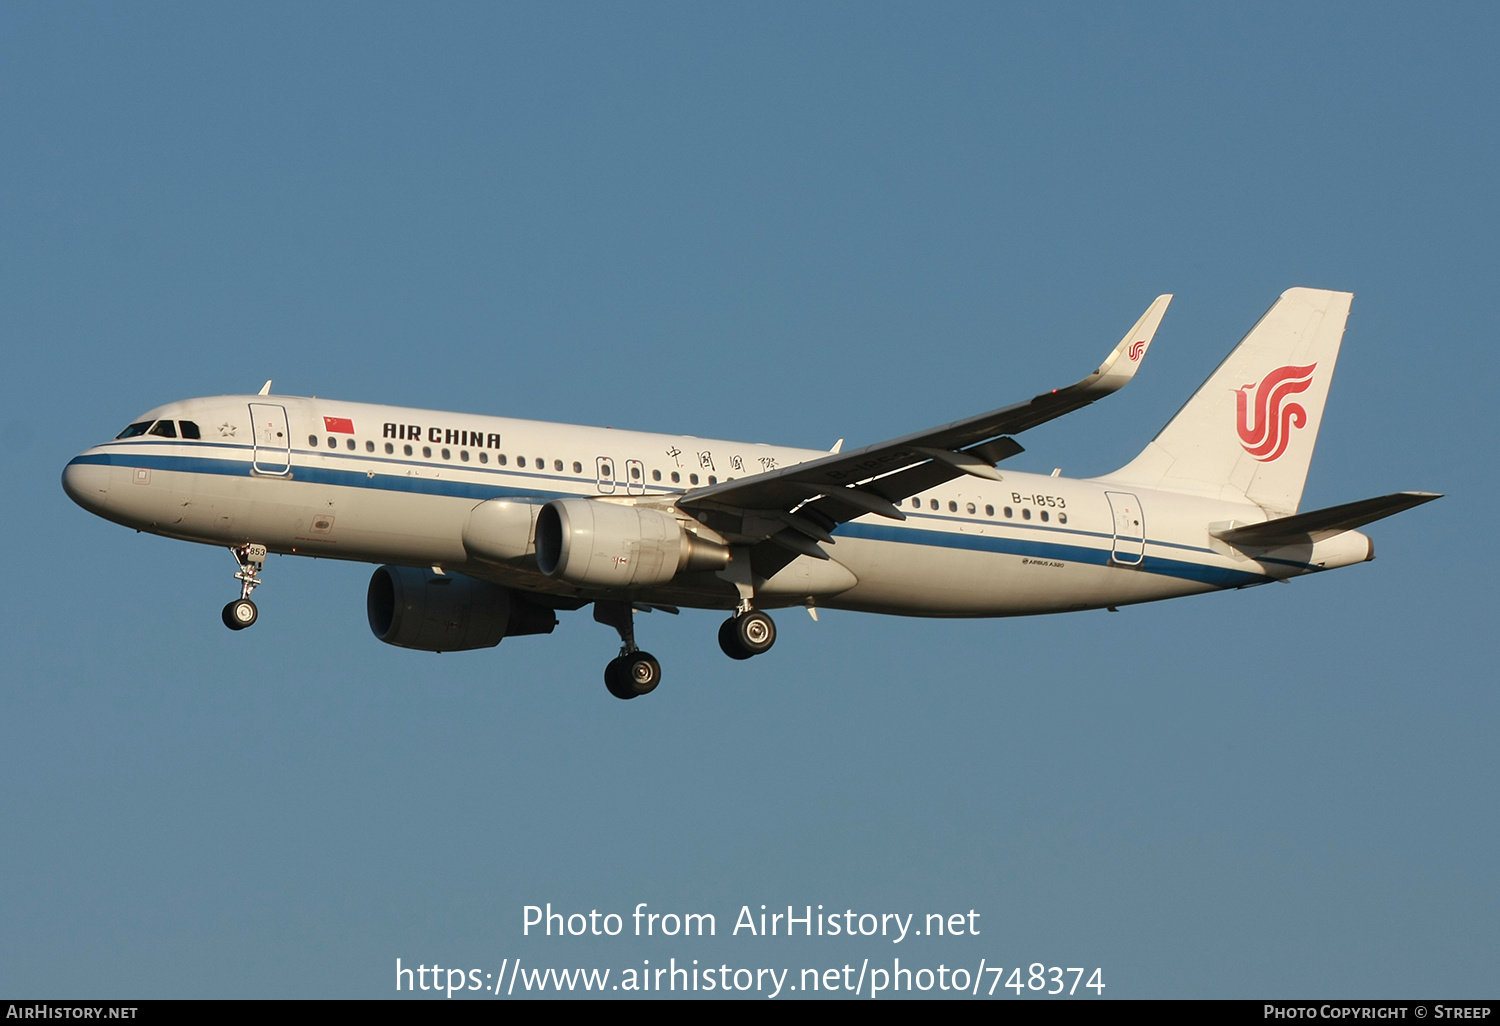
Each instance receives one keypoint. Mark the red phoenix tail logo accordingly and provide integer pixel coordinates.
(1136, 349)
(1266, 437)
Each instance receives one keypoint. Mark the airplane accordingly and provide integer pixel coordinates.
(488, 527)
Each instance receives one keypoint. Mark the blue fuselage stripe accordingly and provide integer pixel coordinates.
(1218, 577)
(1009, 544)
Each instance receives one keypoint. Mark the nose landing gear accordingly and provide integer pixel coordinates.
(241, 613)
(632, 673)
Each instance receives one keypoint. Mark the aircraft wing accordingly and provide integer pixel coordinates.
(815, 496)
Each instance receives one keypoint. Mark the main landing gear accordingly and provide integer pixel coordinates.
(241, 613)
(632, 673)
(749, 632)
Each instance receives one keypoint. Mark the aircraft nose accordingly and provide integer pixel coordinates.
(86, 484)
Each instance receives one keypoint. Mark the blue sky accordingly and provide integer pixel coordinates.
(782, 223)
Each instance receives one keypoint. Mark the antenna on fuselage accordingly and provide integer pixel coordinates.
(266, 388)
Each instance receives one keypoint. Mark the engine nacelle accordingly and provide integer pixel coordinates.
(607, 544)
(502, 530)
(419, 609)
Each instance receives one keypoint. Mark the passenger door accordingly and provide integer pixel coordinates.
(1130, 528)
(273, 440)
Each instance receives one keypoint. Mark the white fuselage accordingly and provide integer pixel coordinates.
(384, 484)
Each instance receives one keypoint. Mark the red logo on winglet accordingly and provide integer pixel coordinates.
(1266, 437)
(1136, 349)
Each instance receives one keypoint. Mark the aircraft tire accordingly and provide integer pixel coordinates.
(239, 614)
(729, 641)
(614, 679)
(640, 673)
(755, 632)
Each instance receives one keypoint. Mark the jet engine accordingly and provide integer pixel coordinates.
(502, 530)
(607, 544)
(414, 608)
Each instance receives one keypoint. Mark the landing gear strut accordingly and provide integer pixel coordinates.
(632, 672)
(749, 632)
(241, 613)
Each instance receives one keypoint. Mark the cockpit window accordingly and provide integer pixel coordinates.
(135, 429)
(165, 428)
(189, 429)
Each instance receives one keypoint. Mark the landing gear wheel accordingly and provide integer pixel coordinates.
(614, 680)
(641, 672)
(239, 614)
(629, 676)
(747, 634)
(729, 642)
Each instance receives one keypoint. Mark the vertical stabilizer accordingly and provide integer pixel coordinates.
(1249, 431)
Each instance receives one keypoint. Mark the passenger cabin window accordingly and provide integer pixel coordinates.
(934, 504)
(447, 455)
(138, 428)
(165, 428)
(970, 508)
(349, 444)
(484, 457)
(635, 473)
(656, 475)
(578, 469)
(989, 511)
(557, 465)
(502, 459)
(1025, 514)
(463, 454)
(916, 503)
(312, 440)
(692, 478)
(406, 449)
(389, 449)
(333, 443)
(190, 430)
(676, 477)
(952, 506)
(427, 452)
(369, 447)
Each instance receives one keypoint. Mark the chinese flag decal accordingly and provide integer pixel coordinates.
(338, 425)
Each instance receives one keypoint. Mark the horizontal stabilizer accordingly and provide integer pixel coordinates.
(1321, 523)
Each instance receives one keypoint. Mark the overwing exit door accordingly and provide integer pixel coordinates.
(605, 470)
